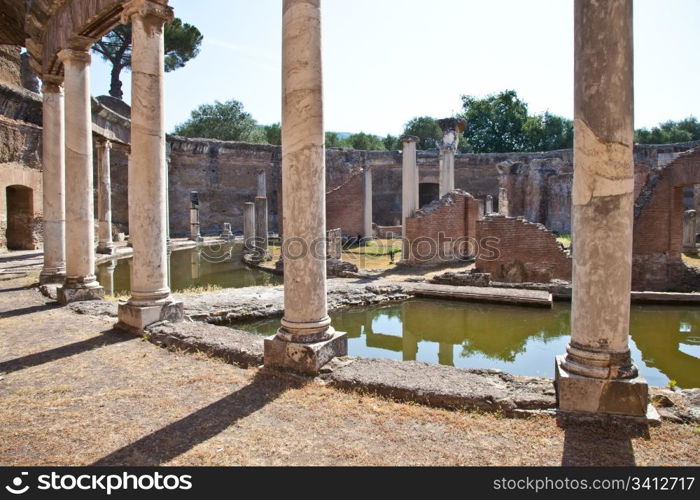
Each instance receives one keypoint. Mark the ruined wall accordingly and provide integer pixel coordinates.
(443, 230)
(522, 251)
(10, 65)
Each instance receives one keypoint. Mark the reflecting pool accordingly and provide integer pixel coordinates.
(523, 341)
(218, 265)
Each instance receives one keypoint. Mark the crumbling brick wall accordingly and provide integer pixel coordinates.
(522, 251)
(444, 230)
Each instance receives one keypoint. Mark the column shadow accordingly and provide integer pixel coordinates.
(178, 437)
(105, 338)
(601, 445)
(29, 310)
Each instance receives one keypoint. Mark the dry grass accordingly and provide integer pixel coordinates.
(75, 392)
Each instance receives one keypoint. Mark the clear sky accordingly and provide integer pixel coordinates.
(387, 61)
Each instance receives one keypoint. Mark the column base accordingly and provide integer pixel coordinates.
(52, 278)
(67, 295)
(108, 249)
(135, 318)
(304, 358)
(588, 395)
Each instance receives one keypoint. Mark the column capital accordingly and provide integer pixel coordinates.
(452, 125)
(102, 143)
(147, 8)
(410, 138)
(51, 84)
(75, 55)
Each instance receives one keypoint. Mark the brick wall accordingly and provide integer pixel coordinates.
(439, 231)
(522, 251)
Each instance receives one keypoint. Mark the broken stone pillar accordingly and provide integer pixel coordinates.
(262, 184)
(53, 180)
(334, 244)
(249, 226)
(489, 204)
(409, 191)
(105, 275)
(503, 201)
(367, 203)
(81, 283)
(482, 208)
(306, 340)
(105, 244)
(195, 233)
(597, 374)
(452, 128)
(150, 300)
(261, 232)
(689, 234)
(227, 233)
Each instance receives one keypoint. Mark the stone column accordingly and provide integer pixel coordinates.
(105, 244)
(367, 205)
(81, 283)
(452, 128)
(150, 300)
(195, 264)
(195, 233)
(105, 275)
(503, 201)
(167, 201)
(262, 184)
(306, 340)
(689, 234)
(227, 234)
(53, 181)
(597, 375)
(261, 232)
(409, 191)
(249, 226)
(482, 208)
(489, 204)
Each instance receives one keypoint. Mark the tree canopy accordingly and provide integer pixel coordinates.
(182, 43)
(670, 131)
(426, 129)
(226, 121)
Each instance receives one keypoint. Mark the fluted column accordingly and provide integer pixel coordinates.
(367, 204)
(409, 191)
(150, 300)
(597, 374)
(81, 283)
(53, 181)
(306, 339)
(105, 244)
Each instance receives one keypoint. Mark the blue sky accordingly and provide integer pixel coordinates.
(387, 61)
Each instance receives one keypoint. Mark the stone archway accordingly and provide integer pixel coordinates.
(20, 218)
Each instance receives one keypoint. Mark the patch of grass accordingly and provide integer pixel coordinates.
(564, 239)
(672, 384)
(197, 290)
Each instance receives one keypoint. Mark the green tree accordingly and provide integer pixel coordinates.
(365, 142)
(182, 43)
(226, 121)
(273, 134)
(495, 123)
(670, 131)
(391, 143)
(426, 129)
(333, 140)
(547, 132)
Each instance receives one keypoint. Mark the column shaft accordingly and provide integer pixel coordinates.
(261, 232)
(249, 226)
(409, 191)
(105, 244)
(262, 184)
(367, 205)
(53, 182)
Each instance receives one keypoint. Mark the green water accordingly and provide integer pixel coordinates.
(524, 341)
(212, 265)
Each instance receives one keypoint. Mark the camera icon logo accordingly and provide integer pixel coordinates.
(16, 488)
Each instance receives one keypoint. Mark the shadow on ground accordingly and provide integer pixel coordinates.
(601, 444)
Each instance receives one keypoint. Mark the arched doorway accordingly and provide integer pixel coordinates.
(20, 215)
(428, 192)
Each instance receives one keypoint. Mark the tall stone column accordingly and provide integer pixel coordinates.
(262, 183)
(597, 374)
(81, 283)
(452, 128)
(689, 234)
(105, 245)
(409, 190)
(249, 226)
(261, 232)
(503, 201)
(195, 226)
(367, 204)
(489, 204)
(53, 181)
(306, 340)
(150, 300)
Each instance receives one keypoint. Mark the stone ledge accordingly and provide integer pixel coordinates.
(304, 358)
(233, 346)
(444, 386)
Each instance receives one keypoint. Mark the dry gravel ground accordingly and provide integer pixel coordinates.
(75, 392)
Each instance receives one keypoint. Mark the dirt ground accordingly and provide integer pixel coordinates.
(76, 392)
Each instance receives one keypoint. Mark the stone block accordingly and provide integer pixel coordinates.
(575, 393)
(69, 295)
(304, 358)
(138, 318)
(52, 278)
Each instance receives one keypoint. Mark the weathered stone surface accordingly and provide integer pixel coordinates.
(304, 358)
(96, 308)
(139, 317)
(444, 386)
(233, 346)
(69, 295)
(463, 279)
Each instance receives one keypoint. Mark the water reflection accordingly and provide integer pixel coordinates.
(197, 267)
(519, 340)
